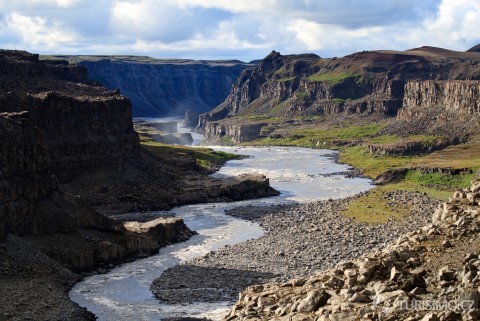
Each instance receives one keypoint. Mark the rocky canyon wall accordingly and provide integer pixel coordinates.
(166, 87)
(29, 198)
(364, 83)
(85, 126)
(457, 96)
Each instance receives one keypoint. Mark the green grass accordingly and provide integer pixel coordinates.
(455, 157)
(226, 141)
(302, 95)
(309, 137)
(277, 107)
(263, 118)
(440, 179)
(372, 208)
(332, 78)
(393, 139)
(206, 158)
(286, 79)
(371, 165)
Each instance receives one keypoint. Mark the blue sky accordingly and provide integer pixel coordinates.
(235, 29)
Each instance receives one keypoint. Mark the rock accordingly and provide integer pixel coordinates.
(394, 274)
(350, 273)
(224, 131)
(159, 87)
(418, 291)
(176, 139)
(469, 299)
(430, 317)
(360, 298)
(446, 274)
(313, 301)
(191, 119)
(447, 244)
(389, 296)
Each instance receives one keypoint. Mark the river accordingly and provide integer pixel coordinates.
(300, 174)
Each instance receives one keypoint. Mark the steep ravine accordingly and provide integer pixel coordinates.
(166, 87)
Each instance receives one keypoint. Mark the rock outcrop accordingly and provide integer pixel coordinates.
(159, 87)
(191, 119)
(85, 126)
(236, 133)
(459, 96)
(29, 198)
(429, 274)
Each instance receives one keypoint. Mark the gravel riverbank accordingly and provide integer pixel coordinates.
(299, 240)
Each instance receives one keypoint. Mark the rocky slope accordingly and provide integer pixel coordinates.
(429, 274)
(164, 87)
(297, 242)
(370, 82)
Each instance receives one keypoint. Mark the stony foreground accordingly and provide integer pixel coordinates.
(429, 274)
(300, 240)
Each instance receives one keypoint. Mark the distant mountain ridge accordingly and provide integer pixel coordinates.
(363, 82)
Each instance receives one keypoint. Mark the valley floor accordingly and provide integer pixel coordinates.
(300, 240)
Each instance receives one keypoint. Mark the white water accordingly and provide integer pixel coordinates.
(123, 293)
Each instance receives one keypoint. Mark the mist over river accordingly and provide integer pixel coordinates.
(301, 175)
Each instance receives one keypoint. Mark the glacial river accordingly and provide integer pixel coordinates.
(298, 173)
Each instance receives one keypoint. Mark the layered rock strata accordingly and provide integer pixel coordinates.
(364, 83)
(459, 96)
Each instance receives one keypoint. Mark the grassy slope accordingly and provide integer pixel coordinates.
(206, 158)
(372, 207)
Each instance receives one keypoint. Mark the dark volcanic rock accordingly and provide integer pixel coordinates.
(191, 119)
(85, 126)
(178, 138)
(57, 125)
(167, 87)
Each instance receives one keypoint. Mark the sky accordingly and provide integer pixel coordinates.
(235, 29)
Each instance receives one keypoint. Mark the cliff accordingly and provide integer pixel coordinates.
(85, 126)
(459, 96)
(364, 83)
(159, 87)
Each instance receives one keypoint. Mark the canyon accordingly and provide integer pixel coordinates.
(164, 87)
(72, 163)
(69, 155)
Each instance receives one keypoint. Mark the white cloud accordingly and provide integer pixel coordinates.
(36, 31)
(246, 29)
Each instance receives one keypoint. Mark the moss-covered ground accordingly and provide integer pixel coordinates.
(206, 158)
(352, 142)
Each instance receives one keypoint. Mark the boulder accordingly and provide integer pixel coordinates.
(313, 301)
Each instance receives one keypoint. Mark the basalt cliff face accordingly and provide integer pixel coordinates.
(164, 87)
(364, 83)
(85, 126)
(460, 96)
